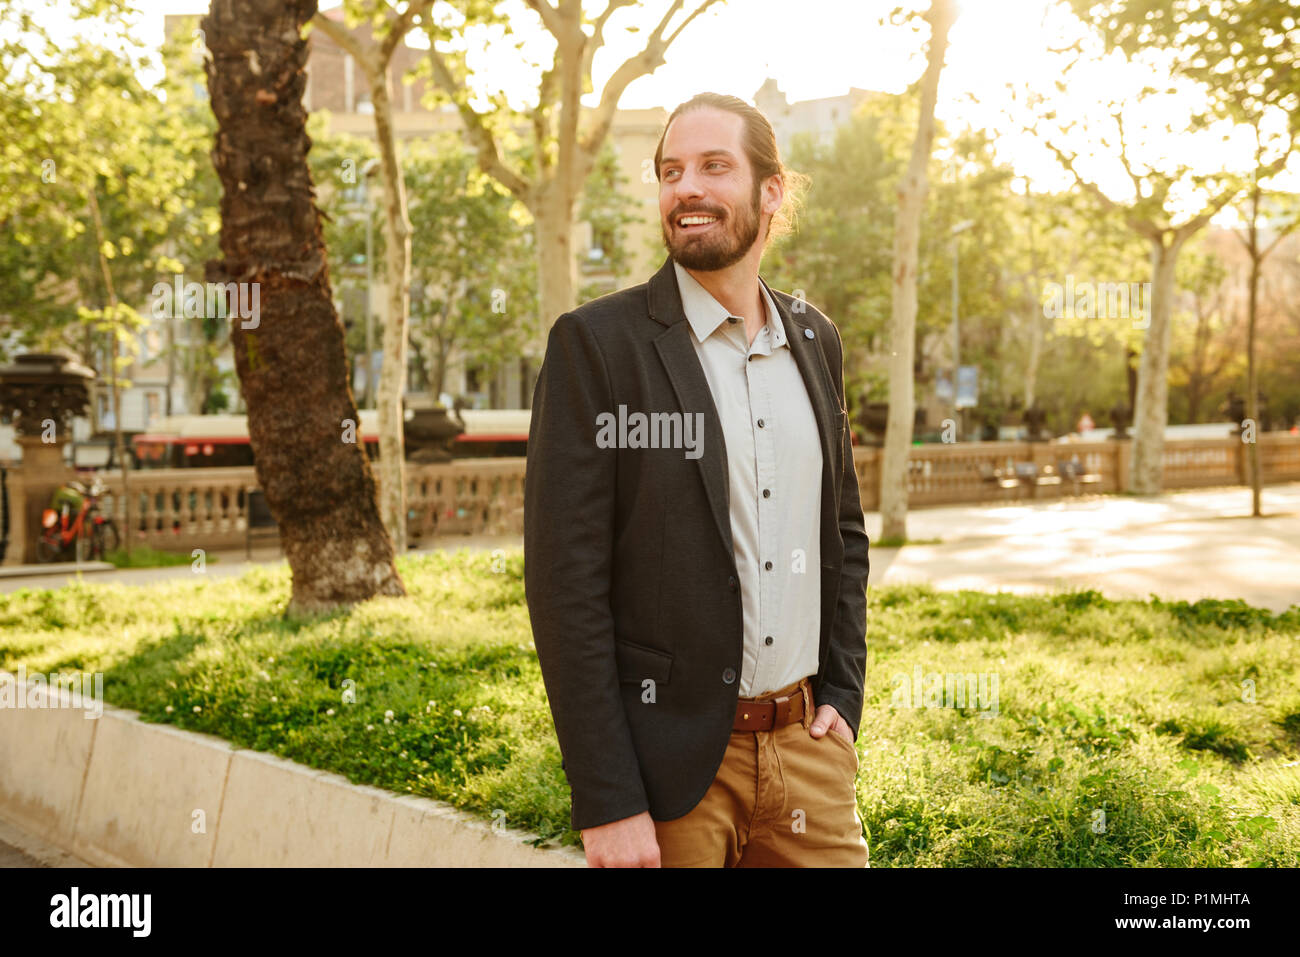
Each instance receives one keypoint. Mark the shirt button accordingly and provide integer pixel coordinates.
(808, 333)
(767, 565)
(729, 676)
(731, 583)
(760, 423)
(767, 640)
(767, 493)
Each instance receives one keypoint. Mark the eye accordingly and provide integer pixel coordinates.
(714, 163)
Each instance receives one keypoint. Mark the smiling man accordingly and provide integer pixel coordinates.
(700, 622)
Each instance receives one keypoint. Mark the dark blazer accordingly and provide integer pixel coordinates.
(629, 569)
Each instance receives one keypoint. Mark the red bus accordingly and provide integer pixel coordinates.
(221, 441)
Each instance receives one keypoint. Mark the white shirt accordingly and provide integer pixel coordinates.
(782, 456)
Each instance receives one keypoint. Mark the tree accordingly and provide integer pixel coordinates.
(375, 59)
(302, 420)
(902, 320)
(1208, 352)
(94, 174)
(564, 147)
(1243, 54)
(472, 263)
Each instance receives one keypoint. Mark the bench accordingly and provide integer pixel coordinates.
(1077, 474)
(999, 479)
(1031, 478)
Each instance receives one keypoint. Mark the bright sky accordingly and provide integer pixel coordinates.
(819, 48)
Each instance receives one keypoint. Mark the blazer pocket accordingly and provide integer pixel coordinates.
(639, 662)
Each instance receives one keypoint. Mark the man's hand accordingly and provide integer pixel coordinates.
(626, 843)
(828, 718)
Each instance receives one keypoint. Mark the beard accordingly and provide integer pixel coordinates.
(720, 247)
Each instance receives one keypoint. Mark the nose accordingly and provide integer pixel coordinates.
(687, 187)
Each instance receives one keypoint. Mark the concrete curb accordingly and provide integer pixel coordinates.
(120, 792)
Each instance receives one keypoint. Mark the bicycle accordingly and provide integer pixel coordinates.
(90, 535)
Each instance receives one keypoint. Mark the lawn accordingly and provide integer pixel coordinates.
(1125, 733)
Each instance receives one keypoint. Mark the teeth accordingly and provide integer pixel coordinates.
(696, 220)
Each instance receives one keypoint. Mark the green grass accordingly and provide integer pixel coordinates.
(142, 556)
(896, 542)
(1180, 723)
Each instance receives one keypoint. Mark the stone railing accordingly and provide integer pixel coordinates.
(177, 509)
(967, 471)
(180, 509)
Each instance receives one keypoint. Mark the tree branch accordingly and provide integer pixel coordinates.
(489, 155)
(597, 38)
(643, 63)
(550, 16)
(344, 39)
(401, 27)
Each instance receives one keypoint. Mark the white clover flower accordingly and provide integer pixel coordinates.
(330, 712)
(370, 727)
(274, 698)
(402, 755)
(169, 709)
(388, 717)
(265, 676)
(197, 709)
(456, 712)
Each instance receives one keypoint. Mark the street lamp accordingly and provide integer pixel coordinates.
(956, 328)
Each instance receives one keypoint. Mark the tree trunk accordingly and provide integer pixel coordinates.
(392, 372)
(1252, 382)
(1152, 412)
(302, 420)
(557, 276)
(902, 319)
(1034, 359)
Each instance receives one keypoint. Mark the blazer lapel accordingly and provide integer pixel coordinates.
(677, 352)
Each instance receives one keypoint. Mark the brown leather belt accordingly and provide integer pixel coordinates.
(752, 715)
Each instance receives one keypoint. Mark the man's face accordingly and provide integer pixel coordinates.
(705, 179)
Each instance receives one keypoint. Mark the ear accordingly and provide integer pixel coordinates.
(773, 194)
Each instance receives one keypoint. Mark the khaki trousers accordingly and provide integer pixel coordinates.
(781, 798)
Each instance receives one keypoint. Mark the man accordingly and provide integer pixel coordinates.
(695, 557)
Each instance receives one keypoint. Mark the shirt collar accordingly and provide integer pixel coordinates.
(705, 313)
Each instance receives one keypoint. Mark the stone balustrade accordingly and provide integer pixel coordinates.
(181, 509)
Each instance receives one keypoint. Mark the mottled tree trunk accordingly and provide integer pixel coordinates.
(302, 420)
(392, 374)
(902, 320)
(557, 263)
(1152, 413)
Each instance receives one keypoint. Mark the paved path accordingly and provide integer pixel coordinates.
(1190, 545)
(21, 849)
(1187, 545)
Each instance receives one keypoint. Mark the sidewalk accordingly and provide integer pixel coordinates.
(1189, 545)
(1185, 545)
